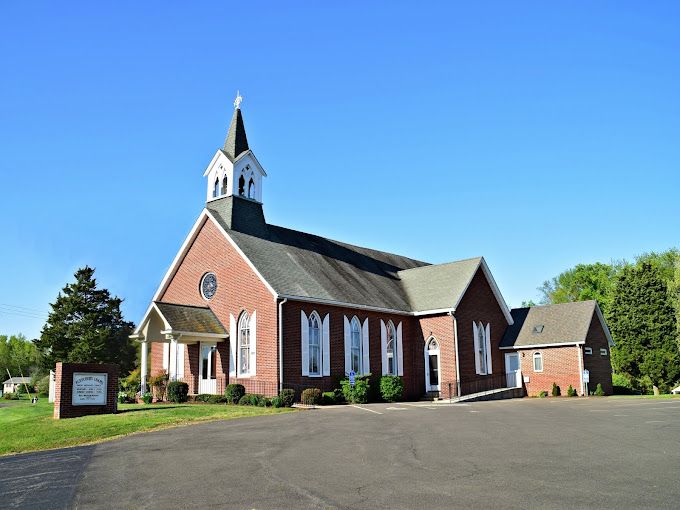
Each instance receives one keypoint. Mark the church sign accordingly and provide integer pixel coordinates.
(89, 389)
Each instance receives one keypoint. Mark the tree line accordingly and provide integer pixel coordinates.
(641, 303)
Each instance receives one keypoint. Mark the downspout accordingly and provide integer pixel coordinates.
(455, 345)
(281, 303)
(580, 367)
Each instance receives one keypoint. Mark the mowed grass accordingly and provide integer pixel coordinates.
(25, 427)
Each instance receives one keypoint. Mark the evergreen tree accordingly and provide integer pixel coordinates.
(86, 325)
(642, 321)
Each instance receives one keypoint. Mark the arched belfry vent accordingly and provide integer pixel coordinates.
(236, 142)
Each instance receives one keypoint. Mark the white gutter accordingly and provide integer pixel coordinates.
(455, 346)
(281, 303)
(580, 367)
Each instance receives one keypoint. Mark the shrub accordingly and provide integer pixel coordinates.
(287, 397)
(178, 391)
(357, 394)
(132, 383)
(276, 402)
(203, 397)
(159, 383)
(10, 396)
(599, 391)
(42, 385)
(253, 399)
(571, 392)
(311, 396)
(147, 398)
(339, 396)
(234, 392)
(125, 398)
(391, 388)
(328, 398)
(542, 394)
(556, 392)
(217, 399)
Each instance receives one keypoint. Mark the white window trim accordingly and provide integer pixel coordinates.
(364, 363)
(305, 329)
(588, 350)
(534, 356)
(482, 333)
(252, 348)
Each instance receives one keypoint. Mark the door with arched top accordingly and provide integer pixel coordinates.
(432, 382)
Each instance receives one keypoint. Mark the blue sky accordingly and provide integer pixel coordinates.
(537, 134)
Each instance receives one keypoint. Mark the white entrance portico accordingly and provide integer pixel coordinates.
(177, 327)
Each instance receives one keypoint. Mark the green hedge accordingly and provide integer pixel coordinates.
(287, 397)
(178, 391)
(391, 388)
(357, 394)
(311, 396)
(234, 392)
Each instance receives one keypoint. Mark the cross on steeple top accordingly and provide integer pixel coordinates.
(238, 100)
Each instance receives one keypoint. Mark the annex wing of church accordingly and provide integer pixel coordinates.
(269, 307)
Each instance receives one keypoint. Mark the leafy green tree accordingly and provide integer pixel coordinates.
(17, 355)
(528, 304)
(87, 325)
(581, 283)
(642, 321)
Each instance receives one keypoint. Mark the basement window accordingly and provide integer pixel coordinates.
(538, 328)
(588, 350)
(603, 352)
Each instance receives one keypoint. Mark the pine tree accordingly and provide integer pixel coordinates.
(86, 325)
(642, 321)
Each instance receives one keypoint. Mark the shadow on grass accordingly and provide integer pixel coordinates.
(158, 408)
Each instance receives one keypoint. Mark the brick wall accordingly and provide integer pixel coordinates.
(441, 328)
(599, 366)
(479, 304)
(238, 289)
(560, 365)
(63, 397)
(292, 356)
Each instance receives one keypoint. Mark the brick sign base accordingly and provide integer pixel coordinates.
(63, 397)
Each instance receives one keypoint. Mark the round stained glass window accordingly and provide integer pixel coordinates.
(208, 285)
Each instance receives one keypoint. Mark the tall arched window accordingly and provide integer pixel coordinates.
(481, 348)
(355, 346)
(538, 362)
(244, 344)
(391, 348)
(251, 189)
(224, 185)
(216, 188)
(314, 344)
(241, 185)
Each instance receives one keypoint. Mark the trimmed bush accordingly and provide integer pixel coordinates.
(202, 397)
(391, 388)
(328, 398)
(542, 394)
(253, 399)
(147, 398)
(311, 396)
(159, 383)
(556, 392)
(357, 394)
(234, 392)
(571, 392)
(178, 391)
(599, 391)
(287, 397)
(276, 402)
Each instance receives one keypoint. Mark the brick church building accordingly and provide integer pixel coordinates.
(251, 302)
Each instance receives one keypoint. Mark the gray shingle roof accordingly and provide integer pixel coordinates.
(18, 380)
(561, 323)
(236, 141)
(304, 265)
(194, 319)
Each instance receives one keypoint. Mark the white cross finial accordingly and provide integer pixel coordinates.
(237, 101)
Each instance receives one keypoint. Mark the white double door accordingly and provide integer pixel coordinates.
(207, 373)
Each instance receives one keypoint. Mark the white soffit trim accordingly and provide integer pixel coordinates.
(494, 288)
(194, 334)
(536, 346)
(432, 312)
(607, 333)
(240, 252)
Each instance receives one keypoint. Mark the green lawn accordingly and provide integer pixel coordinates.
(25, 427)
(664, 395)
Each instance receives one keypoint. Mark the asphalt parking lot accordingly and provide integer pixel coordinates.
(529, 453)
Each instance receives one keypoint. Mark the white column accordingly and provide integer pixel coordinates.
(172, 365)
(144, 367)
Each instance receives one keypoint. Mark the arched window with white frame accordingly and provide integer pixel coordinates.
(244, 344)
(482, 347)
(314, 325)
(391, 349)
(356, 354)
(538, 362)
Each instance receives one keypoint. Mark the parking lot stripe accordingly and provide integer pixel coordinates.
(365, 409)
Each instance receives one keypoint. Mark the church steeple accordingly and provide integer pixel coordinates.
(237, 141)
(234, 170)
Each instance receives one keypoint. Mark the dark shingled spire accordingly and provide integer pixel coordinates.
(236, 142)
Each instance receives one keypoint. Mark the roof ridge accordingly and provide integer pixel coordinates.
(546, 305)
(450, 263)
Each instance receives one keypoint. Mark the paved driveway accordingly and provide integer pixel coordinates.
(531, 453)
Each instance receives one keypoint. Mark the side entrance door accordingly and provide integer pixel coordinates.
(512, 371)
(207, 381)
(432, 365)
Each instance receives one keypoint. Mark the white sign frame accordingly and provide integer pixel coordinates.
(92, 398)
(586, 376)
